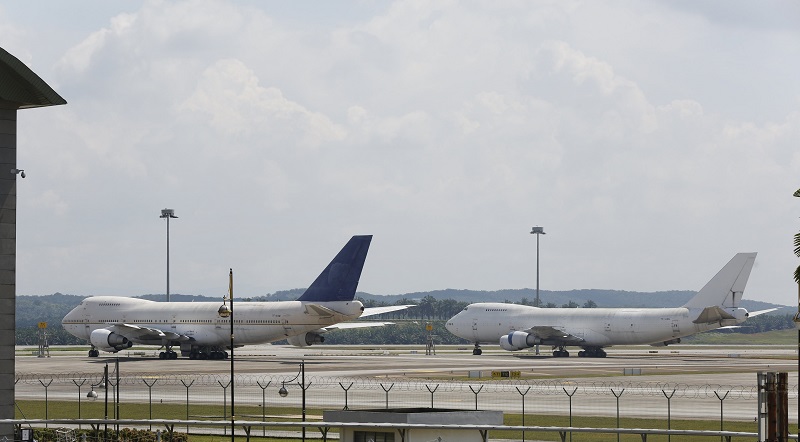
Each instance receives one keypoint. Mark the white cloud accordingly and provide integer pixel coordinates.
(446, 129)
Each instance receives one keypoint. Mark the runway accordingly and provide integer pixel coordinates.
(683, 362)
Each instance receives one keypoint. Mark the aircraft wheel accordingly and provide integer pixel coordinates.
(477, 352)
(226, 355)
(203, 356)
(581, 354)
(94, 353)
(193, 355)
(162, 355)
(173, 355)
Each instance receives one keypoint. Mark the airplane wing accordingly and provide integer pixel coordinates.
(137, 333)
(547, 333)
(372, 311)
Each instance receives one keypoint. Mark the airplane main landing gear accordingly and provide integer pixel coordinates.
(560, 353)
(592, 352)
(93, 352)
(477, 350)
(168, 355)
(203, 355)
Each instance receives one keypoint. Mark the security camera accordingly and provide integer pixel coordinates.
(21, 172)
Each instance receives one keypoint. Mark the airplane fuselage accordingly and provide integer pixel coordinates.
(200, 322)
(486, 323)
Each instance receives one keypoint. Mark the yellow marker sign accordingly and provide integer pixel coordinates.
(506, 374)
(42, 325)
(429, 327)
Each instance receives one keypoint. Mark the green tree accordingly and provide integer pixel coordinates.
(797, 273)
(797, 249)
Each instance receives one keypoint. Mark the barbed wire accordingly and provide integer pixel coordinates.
(367, 383)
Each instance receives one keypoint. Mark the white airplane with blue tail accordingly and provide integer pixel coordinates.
(112, 324)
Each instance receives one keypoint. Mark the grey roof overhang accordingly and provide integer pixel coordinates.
(21, 86)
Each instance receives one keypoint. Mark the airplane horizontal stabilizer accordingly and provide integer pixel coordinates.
(319, 310)
(356, 324)
(372, 311)
(711, 315)
(761, 312)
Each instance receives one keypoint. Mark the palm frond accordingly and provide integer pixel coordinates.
(797, 275)
(797, 244)
(796, 193)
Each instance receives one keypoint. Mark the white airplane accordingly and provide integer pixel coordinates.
(517, 327)
(112, 323)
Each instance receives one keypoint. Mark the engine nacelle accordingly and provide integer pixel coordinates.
(518, 340)
(666, 343)
(306, 339)
(107, 340)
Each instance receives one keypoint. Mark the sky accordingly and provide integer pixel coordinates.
(652, 140)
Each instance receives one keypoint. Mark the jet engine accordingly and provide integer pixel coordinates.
(107, 340)
(518, 340)
(306, 339)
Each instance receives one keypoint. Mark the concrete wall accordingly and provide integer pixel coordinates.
(8, 248)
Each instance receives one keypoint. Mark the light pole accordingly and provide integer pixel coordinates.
(537, 231)
(283, 392)
(93, 394)
(225, 312)
(167, 214)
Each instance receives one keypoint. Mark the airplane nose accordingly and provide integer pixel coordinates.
(451, 325)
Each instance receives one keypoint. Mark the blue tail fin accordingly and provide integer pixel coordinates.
(339, 280)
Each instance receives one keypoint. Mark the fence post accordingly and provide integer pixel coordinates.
(150, 396)
(187, 400)
(523, 408)
(263, 405)
(570, 407)
(431, 392)
(617, 396)
(345, 394)
(45, 398)
(669, 411)
(83, 381)
(387, 393)
(476, 395)
(225, 403)
(721, 399)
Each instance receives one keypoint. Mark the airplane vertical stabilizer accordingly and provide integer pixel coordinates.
(726, 288)
(339, 280)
